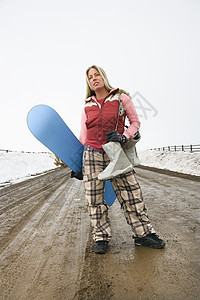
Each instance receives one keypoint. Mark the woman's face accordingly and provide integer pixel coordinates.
(95, 80)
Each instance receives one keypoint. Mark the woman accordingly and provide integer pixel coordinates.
(98, 127)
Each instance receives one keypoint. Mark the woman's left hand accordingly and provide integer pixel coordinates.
(115, 136)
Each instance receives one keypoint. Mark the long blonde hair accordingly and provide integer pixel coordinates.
(90, 92)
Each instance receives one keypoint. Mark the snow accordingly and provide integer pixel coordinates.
(18, 166)
(182, 162)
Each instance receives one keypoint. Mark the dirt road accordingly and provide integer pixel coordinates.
(46, 245)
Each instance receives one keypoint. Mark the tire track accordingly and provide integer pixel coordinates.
(15, 216)
(129, 272)
(44, 259)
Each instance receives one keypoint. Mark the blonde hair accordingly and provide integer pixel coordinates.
(90, 92)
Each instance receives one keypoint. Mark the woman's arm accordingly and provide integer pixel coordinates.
(82, 136)
(132, 116)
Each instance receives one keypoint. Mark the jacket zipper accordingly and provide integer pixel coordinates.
(100, 121)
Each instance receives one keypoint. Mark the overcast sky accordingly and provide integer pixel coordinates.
(149, 48)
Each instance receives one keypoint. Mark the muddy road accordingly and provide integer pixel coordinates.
(46, 249)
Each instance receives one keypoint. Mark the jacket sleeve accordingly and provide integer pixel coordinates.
(132, 116)
(82, 136)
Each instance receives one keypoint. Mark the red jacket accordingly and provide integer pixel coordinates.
(98, 119)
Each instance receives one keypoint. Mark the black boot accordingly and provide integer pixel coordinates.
(151, 240)
(101, 247)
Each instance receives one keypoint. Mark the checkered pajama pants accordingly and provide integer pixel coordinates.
(128, 194)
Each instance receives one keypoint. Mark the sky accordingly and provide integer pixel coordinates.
(149, 48)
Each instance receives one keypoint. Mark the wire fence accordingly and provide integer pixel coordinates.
(3, 150)
(188, 148)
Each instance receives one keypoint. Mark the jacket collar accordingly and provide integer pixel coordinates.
(93, 98)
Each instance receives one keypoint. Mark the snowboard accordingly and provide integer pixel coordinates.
(49, 128)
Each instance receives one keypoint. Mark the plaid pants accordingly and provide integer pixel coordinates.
(128, 194)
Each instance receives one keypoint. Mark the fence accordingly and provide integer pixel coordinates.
(190, 148)
(3, 150)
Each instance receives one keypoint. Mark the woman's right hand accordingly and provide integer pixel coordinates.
(78, 175)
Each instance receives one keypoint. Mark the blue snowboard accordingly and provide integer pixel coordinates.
(48, 127)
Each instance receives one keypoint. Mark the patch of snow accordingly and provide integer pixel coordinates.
(182, 162)
(18, 166)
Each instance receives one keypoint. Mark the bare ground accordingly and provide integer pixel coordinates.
(46, 248)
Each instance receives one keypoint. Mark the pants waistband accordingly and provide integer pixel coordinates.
(90, 148)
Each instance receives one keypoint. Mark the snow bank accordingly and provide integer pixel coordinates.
(18, 166)
(182, 162)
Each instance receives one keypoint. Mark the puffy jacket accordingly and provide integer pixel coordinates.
(98, 119)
